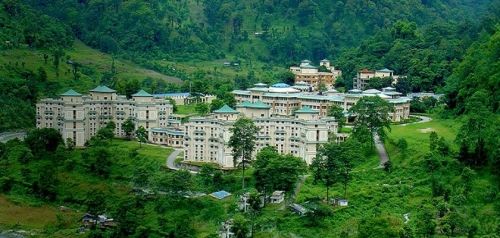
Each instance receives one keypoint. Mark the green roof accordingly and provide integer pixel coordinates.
(71, 93)
(260, 104)
(306, 109)
(226, 110)
(257, 104)
(102, 89)
(142, 93)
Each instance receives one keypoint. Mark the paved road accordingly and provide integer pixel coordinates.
(6, 136)
(171, 159)
(382, 153)
(423, 119)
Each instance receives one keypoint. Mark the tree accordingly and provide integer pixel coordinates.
(216, 104)
(128, 127)
(45, 140)
(107, 132)
(285, 77)
(202, 108)
(276, 172)
(372, 113)
(240, 227)
(173, 103)
(338, 113)
(242, 143)
(142, 135)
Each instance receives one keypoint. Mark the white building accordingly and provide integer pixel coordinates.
(206, 138)
(79, 117)
(284, 99)
(364, 76)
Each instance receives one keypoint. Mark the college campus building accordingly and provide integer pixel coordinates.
(284, 99)
(186, 98)
(206, 138)
(309, 74)
(79, 117)
(364, 76)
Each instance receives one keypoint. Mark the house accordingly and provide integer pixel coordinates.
(340, 202)
(298, 209)
(102, 221)
(88, 220)
(277, 196)
(220, 194)
(225, 229)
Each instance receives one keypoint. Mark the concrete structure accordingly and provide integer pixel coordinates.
(364, 76)
(78, 117)
(206, 138)
(283, 99)
(311, 75)
(277, 197)
(186, 98)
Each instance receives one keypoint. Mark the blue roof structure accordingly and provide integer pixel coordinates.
(220, 194)
(280, 85)
(103, 89)
(71, 93)
(142, 93)
(226, 110)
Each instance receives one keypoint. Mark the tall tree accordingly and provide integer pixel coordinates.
(128, 127)
(338, 113)
(242, 142)
(142, 135)
(372, 113)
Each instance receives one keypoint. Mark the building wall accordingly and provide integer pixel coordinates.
(206, 138)
(80, 117)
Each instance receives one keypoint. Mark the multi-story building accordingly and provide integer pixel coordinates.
(307, 73)
(284, 99)
(186, 98)
(206, 138)
(79, 117)
(364, 76)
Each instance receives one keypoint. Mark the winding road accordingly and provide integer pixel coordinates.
(171, 159)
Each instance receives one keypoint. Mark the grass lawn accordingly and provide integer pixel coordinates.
(186, 109)
(23, 216)
(158, 153)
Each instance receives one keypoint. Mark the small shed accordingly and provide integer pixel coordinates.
(298, 209)
(220, 194)
(278, 196)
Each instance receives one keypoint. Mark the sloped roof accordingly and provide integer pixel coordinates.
(385, 70)
(71, 93)
(142, 93)
(226, 110)
(102, 89)
(306, 109)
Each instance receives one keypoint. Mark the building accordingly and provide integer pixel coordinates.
(311, 75)
(277, 197)
(361, 81)
(206, 138)
(78, 117)
(283, 99)
(186, 98)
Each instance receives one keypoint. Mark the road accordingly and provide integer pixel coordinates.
(171, 159)
(423, 119)
(382, 153)
(6, 136)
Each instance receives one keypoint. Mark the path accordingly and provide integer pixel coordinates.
(6, 136)
(382, 153)
(171, 160)
(423, 119)
(299, 184)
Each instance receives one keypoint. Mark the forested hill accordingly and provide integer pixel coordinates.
(268, 30)
(422, 39)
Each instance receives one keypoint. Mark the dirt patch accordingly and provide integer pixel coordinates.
(426, 130)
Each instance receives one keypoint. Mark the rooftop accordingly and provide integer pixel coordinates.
(71, 92)
(226, 110)
(142, 93)
(307, 110)
(102, 89)
(172, 95)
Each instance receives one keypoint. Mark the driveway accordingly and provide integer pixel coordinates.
(423, 119)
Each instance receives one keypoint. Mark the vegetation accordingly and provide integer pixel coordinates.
(242, 143)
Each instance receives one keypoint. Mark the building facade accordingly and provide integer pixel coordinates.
(78, 117)
(186, 98)
(309, 74)
(206, 138)
(284, 100)
(362, 79)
